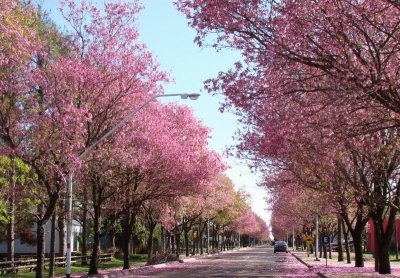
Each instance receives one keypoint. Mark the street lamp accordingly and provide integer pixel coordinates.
(293, 239)
(316, 239)
(85, 154)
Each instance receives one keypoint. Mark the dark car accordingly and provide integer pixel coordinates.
(334, 245)
(280, 246)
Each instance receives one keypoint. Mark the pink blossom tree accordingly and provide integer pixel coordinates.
(37, 124)
(323, 71)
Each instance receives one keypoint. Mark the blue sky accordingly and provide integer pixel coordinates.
(166, 33)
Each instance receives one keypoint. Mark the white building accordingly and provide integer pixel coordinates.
(20, 248)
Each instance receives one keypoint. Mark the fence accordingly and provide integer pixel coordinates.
(29, 263)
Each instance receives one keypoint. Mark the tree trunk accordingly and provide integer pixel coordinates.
(84, 227)
(112, 230)
(346, 243)
(94, 259)
(125, 249)
(202, 229)
(340, 247)
(376, 251)
(128, 223)
(201, 243)
(196, 240)
(208, 236)
(172, 241)
(10, 228)
(186, 237)
(356, 233)
(382, 245)
(40, 233)
(43, 217)
(357, 240)
(113, 246)
(214, 238)
(384, 262)
(111, 237)
(150, 242)
(321, 245)
(384, 234)
(178, 243)
(193, 244)
(52, 245)
(162, 239)
(11, 215)
(167, 243)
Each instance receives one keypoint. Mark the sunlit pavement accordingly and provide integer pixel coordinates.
(247, 262)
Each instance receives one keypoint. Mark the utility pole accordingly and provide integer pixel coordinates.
(293, 240)
(316, 239)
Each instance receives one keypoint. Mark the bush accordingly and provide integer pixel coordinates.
(162, 258)
(115, 251)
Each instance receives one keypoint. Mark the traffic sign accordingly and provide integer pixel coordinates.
(326, 240)
(308, 239)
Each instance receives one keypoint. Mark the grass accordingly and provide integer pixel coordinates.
(392, 256)
(368, 256)
(77, 268)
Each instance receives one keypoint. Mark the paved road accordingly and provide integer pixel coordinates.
(249, 262)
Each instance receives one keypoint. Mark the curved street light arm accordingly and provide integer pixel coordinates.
(129, 117)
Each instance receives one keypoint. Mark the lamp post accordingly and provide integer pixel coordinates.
(287, 237)
(127, 118)
(316, 239)
(293, 240)
(396, 239)
(208, 237)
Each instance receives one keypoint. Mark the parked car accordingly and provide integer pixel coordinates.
(280, 246)
(334, 245)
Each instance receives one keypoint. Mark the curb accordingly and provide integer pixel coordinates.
(300, 260)
(320, 274)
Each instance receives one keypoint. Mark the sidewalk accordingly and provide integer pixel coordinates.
(139, 270)
(342, 269)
